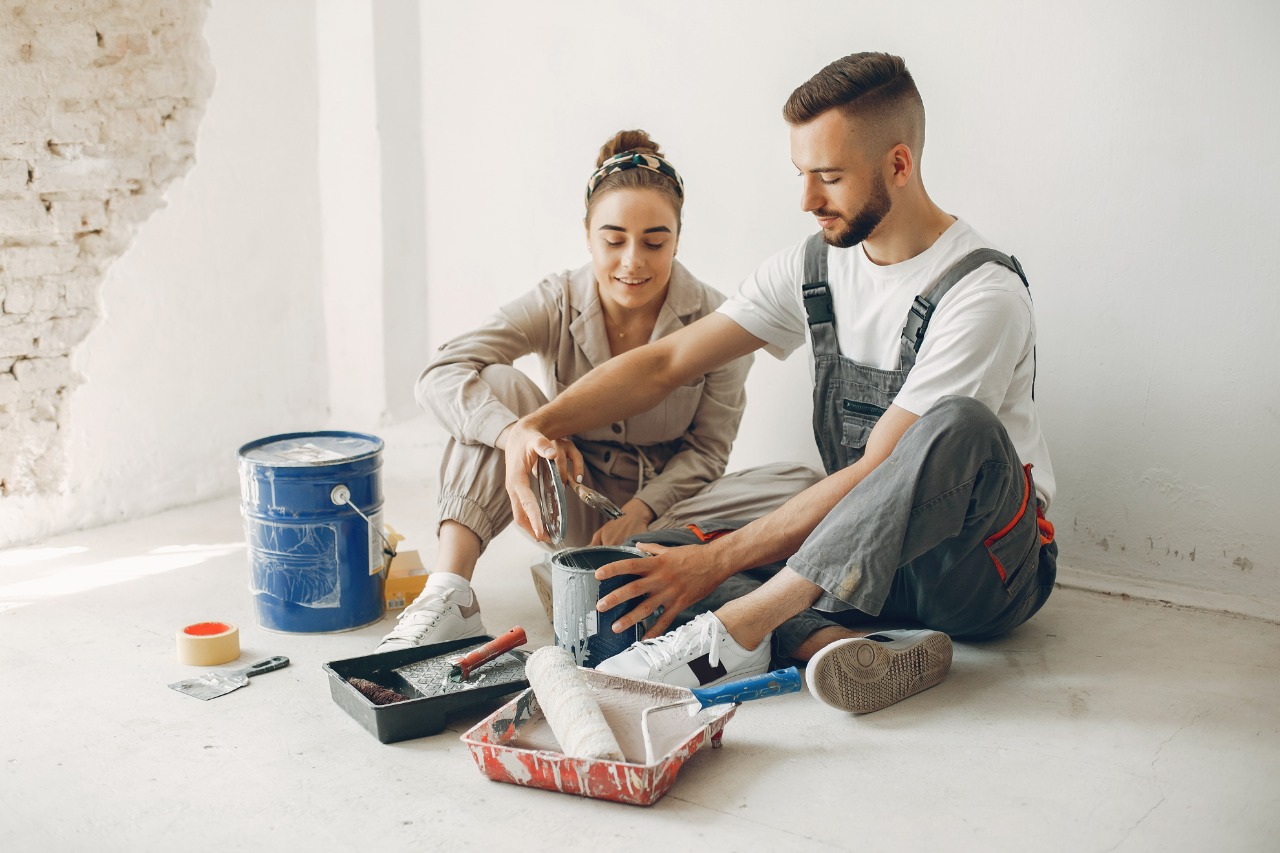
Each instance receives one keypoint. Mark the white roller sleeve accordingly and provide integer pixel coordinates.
(570, 706)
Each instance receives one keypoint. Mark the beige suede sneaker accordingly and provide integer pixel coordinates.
(865, 674)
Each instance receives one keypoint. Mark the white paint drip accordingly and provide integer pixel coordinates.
(574, 593)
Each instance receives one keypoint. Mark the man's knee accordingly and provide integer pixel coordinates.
(963, 420)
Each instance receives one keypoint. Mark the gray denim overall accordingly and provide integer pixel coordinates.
(950, 534)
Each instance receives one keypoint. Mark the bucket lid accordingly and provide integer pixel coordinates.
(305, 449)
(550, 492)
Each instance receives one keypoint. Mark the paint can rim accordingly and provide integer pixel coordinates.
(261, 443)
(626, 549)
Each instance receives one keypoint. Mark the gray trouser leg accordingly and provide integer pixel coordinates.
(927, 536)
(742, 495)
(746, 494)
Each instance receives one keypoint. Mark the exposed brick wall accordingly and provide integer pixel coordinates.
(99, 106)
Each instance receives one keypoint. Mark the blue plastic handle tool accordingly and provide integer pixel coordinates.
(774, 683)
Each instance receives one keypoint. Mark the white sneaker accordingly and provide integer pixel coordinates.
(698, 654)
(443, 611)
(865, 674)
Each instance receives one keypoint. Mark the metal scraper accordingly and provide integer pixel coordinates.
(211, 685)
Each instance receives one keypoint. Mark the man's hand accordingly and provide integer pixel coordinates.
(524, 447)
(673, 579)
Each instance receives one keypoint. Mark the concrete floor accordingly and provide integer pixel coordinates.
(1104, 724)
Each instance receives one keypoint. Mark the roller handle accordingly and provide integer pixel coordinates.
(490, 650)
(277, 662)
(774, 683)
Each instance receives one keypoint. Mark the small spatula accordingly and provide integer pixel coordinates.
(211, 685)
(774, 683)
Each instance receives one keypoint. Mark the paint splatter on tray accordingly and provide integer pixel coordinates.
(431, 677)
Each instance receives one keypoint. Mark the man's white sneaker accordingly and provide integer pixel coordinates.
(865, 674)
(443, 611)
(700, 653)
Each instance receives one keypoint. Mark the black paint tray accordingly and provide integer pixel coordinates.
(421, 715)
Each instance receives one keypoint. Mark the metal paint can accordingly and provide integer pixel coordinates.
(586, 633)
(312, 507)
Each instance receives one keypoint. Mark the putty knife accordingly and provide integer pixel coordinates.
(211, 685)
(774, 683)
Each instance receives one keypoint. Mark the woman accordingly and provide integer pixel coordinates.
(661, 467)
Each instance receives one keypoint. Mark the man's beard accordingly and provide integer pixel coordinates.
(864, 221)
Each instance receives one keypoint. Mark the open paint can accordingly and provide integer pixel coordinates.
(586, 633)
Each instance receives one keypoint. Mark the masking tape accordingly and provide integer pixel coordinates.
(208, 643)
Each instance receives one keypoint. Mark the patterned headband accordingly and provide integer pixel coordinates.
(635, 160)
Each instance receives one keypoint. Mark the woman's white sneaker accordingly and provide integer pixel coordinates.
(700, 653)
(445, 610)
(865, 674)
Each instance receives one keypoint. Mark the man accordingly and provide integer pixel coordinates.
(923, 353)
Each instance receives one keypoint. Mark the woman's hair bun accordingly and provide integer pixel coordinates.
(627, 140)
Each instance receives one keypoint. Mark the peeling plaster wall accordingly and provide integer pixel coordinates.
(100, 104)
(210, 326)
(1125, 152)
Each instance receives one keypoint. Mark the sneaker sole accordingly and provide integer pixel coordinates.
(863, 676)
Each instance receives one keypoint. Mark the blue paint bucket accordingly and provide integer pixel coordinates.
(312, 507)
(586, 633)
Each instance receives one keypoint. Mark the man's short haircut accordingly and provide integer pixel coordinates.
(875, 88)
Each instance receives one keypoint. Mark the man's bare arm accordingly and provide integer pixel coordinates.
(679, 577)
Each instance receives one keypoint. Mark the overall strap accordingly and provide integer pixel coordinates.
(817, 297)
(923, 306)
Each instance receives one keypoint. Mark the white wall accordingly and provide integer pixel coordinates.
(212, 331)
(349, 176)
(1126, 155)
(1125, 152)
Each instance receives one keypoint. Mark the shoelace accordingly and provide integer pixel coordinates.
(423, 613)
(702, 632)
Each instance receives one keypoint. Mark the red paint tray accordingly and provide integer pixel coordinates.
(515, 744)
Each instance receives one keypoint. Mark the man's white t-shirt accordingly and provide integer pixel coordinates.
(980, 341)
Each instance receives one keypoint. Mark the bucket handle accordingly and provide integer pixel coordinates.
(341, 496)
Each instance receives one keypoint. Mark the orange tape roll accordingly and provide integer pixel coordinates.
(208, 643)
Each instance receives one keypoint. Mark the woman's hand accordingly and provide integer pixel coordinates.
(524, 447)
(635, 519)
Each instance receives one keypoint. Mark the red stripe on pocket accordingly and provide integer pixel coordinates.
(1004, 531)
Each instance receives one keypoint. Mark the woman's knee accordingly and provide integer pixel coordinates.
(513, 388)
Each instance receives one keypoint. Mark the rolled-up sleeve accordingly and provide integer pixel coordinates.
(451, 388)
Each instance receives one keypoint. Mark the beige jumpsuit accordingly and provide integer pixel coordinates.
(671, 457)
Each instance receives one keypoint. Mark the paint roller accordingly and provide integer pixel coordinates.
(570, 706)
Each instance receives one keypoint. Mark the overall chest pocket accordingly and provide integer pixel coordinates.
(857, 419)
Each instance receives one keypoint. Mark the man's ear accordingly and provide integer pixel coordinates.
(903, 164)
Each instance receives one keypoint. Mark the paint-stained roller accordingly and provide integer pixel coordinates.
(569, 705)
